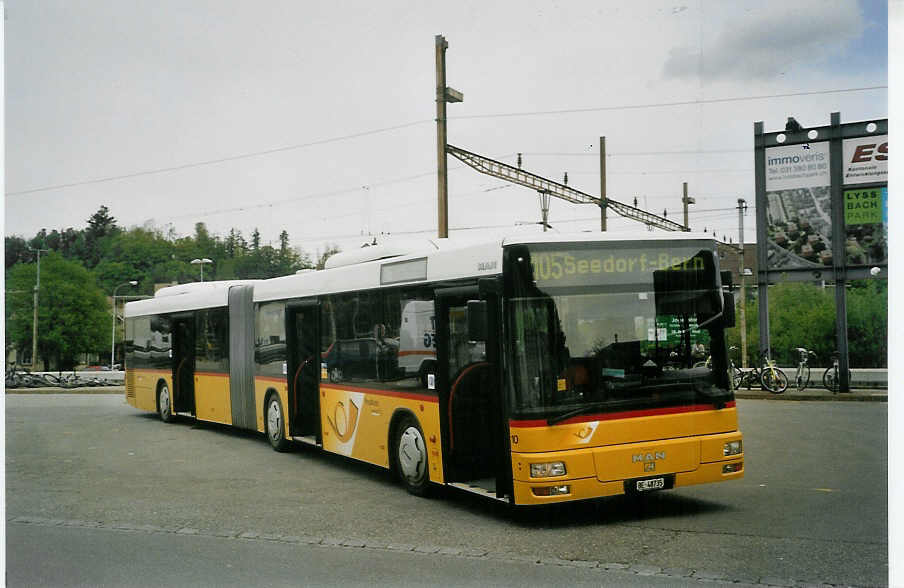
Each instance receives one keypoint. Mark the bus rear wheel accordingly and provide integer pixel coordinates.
(276, 429)
(411, 457)
(164, 403)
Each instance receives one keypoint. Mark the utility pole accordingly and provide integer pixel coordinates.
(443, 94)
(442, 207)
(742, 208)
(603, 184)
(34, 326)
(684, 202)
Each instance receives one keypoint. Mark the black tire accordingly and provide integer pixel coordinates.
(737, 376)
(774, 380)
(802, 378)
(411, 461)
(830, 381)
(275, 423)
(165, 403)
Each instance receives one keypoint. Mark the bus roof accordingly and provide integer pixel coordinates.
(381, 265)
(191, 296)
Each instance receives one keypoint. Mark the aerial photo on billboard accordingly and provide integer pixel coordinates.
(799, 206)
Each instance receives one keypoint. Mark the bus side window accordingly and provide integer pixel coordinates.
(270, 339)
(352, 322)
(416, 340)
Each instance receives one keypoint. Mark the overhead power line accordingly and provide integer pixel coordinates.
(634, 153)
(161, 170)
(425, 121)
(667, 104)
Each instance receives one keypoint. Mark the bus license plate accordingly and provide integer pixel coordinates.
(654, 484)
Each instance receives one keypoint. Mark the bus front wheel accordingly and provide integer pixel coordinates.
(164, 403)
(411, 457)
(276, 429)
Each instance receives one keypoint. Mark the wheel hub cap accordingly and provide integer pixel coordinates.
(273, 419)
(412, 454)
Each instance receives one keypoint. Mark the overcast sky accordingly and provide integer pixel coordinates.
(275, 115)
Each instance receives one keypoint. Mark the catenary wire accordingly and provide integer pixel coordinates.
(424, 121)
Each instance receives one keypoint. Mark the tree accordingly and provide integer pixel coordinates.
(100, 226)
(16, 250)
(328, 252)
(803, 315)
(867, 305)
(73, 312)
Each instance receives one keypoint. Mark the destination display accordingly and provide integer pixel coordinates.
(623, 266)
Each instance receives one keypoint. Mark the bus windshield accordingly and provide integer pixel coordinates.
(614, 328)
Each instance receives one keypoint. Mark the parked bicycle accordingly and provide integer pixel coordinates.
(802, 377)
(771, 376)
(734, 372)
(767, 375)
(832, 376)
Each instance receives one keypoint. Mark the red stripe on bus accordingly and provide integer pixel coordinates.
(404, 353)
(613, 416)
(393, 393)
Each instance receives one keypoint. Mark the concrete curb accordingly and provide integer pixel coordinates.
(86, 390)
(861, 395)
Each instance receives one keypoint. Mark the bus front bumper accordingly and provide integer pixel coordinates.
(704, 463)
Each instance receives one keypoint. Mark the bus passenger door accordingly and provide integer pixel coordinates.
(184, 363)
(303, 373)
(468, 383)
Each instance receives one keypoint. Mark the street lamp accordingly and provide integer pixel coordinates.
(113, 336)
(201, 262)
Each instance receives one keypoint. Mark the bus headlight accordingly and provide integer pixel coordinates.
(732, 448)
(547, 470)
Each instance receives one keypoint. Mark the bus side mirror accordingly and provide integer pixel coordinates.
(728, 310)
(477, 320)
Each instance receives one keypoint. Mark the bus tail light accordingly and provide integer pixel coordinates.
(731, 468)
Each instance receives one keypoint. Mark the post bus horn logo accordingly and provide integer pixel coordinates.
(344, 424)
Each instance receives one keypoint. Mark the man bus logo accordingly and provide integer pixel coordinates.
(647, 456)
(344, 424)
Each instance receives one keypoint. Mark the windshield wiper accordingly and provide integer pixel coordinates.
(575, 412)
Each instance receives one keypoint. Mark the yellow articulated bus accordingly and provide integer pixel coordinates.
(528, 370)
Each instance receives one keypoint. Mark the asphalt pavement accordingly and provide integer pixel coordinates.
(87, 471)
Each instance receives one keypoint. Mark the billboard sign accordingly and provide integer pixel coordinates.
(799, 206)
(865, 160)
(821, 211)
(866, 226)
